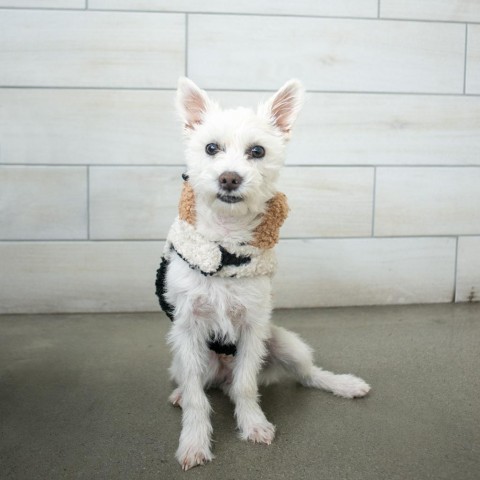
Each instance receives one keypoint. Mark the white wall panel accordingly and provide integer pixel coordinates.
(326, 54)
(327, 202)
(43, 3)
(427, 201)
(348, 8)
(89, 127)
(473, 60)
(387, 129)
(364, 272)
(95, 49)
(43, 203)
(78, 276)
(449, 10)
(133, 202)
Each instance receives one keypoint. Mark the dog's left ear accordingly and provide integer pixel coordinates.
(282, 109)
(192, 103)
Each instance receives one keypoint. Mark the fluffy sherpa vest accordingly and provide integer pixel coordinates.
(221, 259)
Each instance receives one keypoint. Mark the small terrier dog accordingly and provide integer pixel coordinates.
(214, 281)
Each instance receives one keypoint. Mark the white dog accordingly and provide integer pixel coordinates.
(215, 278)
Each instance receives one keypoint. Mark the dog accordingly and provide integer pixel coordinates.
(214, 281)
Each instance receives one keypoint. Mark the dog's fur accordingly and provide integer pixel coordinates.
(237, 310)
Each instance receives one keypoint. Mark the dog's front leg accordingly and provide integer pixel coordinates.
(251, 420)
(192, 352)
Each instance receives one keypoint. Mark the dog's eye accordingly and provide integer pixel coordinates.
(212, 148)
(257, 152)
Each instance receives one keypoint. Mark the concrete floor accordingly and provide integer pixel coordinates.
(85, 396)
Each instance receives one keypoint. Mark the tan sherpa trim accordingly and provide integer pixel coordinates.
(265, 236)
(186, 206)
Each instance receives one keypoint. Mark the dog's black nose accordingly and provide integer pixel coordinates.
(230, 181)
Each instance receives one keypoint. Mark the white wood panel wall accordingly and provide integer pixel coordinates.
(473, 60)
(67, 4)
(383, 172)
(90, 49)
(327, 54)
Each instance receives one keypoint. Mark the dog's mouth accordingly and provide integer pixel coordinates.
(229, 198)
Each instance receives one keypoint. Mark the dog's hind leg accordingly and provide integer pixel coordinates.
(289, 351)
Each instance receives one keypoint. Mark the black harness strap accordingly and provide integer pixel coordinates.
(161, 288)
(222, 348)
(217, 346)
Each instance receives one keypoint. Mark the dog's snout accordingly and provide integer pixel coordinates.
(230, 181)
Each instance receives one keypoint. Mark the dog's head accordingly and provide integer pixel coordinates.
(234, 156)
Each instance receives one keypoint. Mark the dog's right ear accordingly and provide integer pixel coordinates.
(282, 109)
(192, 103)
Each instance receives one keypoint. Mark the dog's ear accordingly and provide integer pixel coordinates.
(192, 103)
(282, 109)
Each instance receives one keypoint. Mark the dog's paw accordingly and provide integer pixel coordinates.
(192, 456)
(175, 398)
(349, 386)
(259, 433)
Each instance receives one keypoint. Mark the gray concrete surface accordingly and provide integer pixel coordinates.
(85, 396)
